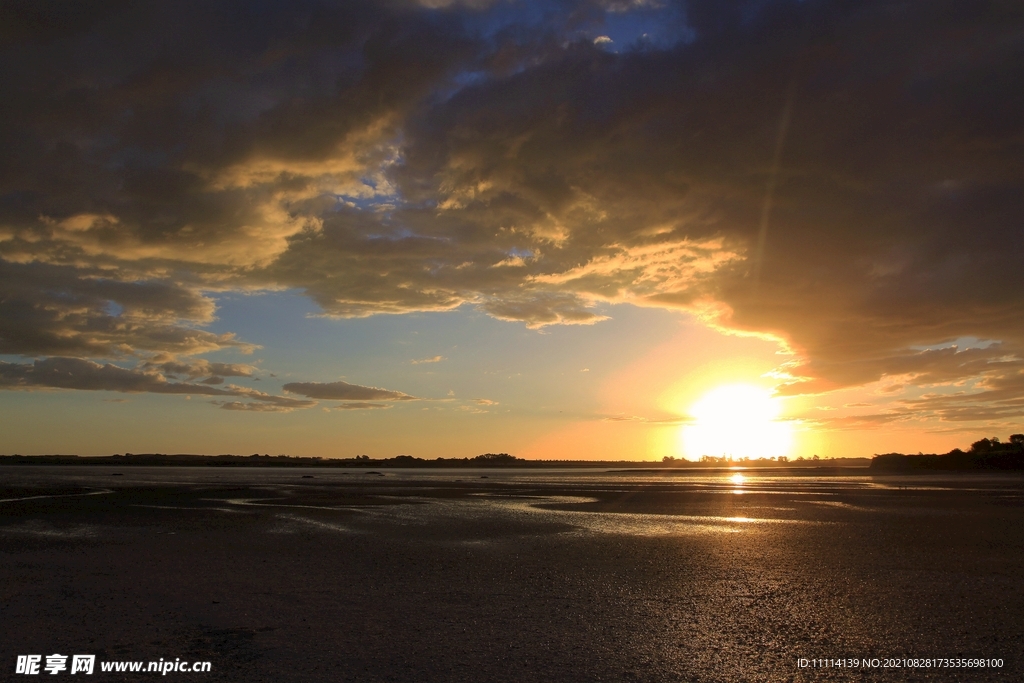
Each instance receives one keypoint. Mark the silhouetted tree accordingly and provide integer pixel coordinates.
(982, 446)
(495, 458)
(985, 454)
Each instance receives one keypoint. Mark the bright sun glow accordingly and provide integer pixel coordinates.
(737, 420)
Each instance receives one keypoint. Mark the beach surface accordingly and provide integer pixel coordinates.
(514, 575)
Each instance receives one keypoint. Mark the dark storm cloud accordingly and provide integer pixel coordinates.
(47, 309)
(897, 214)
(392, 157)
(343, 391)
(198, 132)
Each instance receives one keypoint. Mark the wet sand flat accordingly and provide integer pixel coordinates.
(327, 575)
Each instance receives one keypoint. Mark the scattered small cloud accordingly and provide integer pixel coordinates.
(252, 407)
(432, 359)
(858, 422)
(647, 420)
(362, 406)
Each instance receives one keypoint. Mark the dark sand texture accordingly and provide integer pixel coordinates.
(518, 577)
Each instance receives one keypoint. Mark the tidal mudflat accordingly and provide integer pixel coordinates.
(514, 575)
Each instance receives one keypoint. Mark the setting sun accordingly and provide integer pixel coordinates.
(737, 420)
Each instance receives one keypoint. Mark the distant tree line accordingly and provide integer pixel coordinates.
(485, 460)
(265, 460)
(985, 454)
(725, 461)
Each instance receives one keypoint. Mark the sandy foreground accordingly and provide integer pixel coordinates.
(317, 575)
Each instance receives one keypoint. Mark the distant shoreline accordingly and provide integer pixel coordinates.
(500, 461)
(1001, 458)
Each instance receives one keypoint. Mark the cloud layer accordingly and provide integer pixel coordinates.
(343, 391)
(77, 373)
(86, 375)
(845, 177)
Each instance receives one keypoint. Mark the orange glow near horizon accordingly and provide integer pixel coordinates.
(737, 420)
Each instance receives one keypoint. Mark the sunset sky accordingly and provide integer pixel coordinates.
(553, 229)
